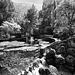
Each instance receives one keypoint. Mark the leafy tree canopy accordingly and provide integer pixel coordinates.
(31, 14)
(6, 9)
(65, 15)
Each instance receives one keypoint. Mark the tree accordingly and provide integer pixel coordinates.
(47, 15)
(24, 25)
(65, 16)
(9, 28)
(32, 16)
(6, 10)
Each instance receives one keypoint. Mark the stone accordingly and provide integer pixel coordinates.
(70, 61)
(71, 51)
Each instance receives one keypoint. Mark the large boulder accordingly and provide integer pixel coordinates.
(72, 42)
(71, 51)
(70, 63)
(70, 60)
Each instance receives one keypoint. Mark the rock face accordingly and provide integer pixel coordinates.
(67, 50)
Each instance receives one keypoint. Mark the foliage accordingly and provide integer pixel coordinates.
(28, 21)
(24, 26)
(17, 59)
(31, 14)
(58, 15)
(65, 15)
(6, 10)
(47, 15)
(9, 28)
(32, 17)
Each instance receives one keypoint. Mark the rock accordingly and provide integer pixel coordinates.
(62, 51)
(53, 70)
(59, 61)
(1, 53)
(73, 42)
(71, 51)
(70, 61)
(50, 58)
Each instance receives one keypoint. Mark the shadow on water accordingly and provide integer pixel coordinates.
(14, 39)
(50, 40)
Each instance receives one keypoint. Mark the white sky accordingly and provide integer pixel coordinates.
(38, 3)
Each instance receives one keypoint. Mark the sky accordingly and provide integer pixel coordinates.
(38, 3)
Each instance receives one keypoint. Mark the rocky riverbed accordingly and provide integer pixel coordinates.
(15, 55)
